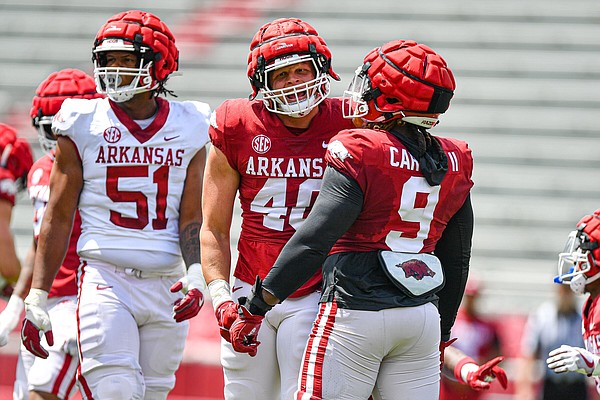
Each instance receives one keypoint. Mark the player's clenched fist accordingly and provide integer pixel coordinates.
(36, 321)
(244, 331)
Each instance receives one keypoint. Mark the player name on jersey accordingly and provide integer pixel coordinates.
(403, 159)
(278, 167)
(139, 155)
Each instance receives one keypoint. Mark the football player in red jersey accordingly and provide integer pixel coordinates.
(270, 152)
(15, 160)
(54, 377)
(579, 267)
(392, 223)
(132, 164)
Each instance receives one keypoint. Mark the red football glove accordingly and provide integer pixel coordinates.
(191, 285)
(244, 331)
(226, 314)
(481, 378)
(189, 306)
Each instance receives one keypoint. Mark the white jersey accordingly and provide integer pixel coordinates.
(133, 178)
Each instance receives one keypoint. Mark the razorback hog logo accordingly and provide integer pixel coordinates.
(415, 268)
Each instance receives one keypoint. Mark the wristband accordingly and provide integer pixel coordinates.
(458, 369)
(194, 271)
(220, 292)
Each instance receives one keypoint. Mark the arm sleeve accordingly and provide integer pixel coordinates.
(338, 205)
(454, 251)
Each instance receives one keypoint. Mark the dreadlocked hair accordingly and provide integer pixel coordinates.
(424, 147)
(161, 89)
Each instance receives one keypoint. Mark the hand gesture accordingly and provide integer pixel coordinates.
(567, 358)
(191, 285)
(37, 321)
(482, 377)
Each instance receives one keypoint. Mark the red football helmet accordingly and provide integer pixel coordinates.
(15, 155)
(579, 262)
(285, 42)
(154, 45)
(50, 95)
(401, 79)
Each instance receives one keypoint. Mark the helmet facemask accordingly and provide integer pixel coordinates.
(576, 266)
(354, 104)
(47, 140)
(298, 100)
(109, 80)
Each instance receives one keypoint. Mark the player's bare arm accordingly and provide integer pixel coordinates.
(218, 196)
(24, 282)
(190, 218)
(66, 182)
(9, 262)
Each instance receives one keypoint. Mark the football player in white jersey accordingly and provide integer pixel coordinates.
(132, 164)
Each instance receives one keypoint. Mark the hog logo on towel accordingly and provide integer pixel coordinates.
(415, 268)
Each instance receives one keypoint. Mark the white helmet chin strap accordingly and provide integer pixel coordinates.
(577, 284)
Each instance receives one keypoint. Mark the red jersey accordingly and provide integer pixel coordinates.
(38, 185)
(591, 329)
(280, 177)
(401, 211)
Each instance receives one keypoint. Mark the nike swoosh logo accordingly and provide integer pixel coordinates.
(324, 144)
(235, 289)
(588, 363)
(103, 287)
(171, 138)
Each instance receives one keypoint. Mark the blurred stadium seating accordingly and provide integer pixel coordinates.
(528, 91)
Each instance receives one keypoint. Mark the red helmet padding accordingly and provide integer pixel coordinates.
(590, 226)
(281, 37)
(58, 86)
(390, 67)
(154, 34)
(20, 158)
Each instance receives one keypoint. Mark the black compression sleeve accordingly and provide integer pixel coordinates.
(454, 251)
(338, 205)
